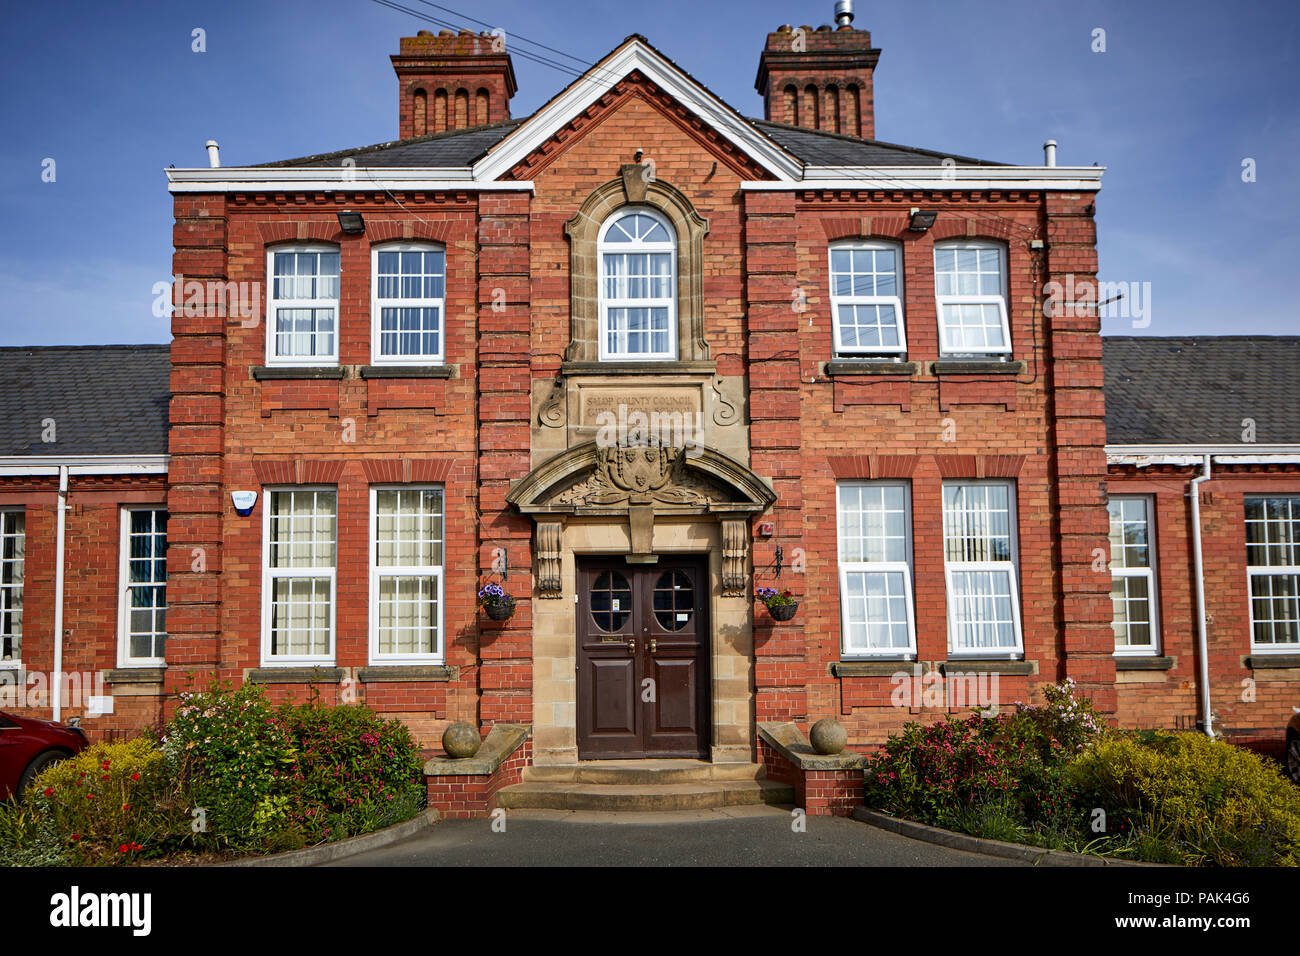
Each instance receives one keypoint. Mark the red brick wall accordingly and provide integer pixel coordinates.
(1043, 428)
(1253, 705)
(818, 792)
(92, 546)
(470, 796)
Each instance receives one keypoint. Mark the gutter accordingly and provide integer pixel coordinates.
(1202, 641)
(20, 466)
(56, 681)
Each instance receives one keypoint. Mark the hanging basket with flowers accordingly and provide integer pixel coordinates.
(780, 604)
(499, 605)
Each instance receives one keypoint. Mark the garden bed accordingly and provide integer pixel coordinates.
(1054, 777)
(229, 776)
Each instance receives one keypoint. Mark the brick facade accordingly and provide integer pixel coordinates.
(1039, 424)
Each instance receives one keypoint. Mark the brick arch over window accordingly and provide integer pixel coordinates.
(583, 229)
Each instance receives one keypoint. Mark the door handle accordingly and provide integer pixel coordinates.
(631, 646)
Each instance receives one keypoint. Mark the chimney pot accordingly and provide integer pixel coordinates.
(214, 154)
(1049, 153)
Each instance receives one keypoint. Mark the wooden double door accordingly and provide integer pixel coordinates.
(642, 633)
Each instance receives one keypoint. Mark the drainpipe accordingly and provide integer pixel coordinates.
(1202, 641)
(56, 679)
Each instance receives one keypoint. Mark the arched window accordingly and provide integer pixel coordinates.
(408, 289)
(638, 286)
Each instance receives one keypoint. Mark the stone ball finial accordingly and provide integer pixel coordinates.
(828, 736)
(461, 739)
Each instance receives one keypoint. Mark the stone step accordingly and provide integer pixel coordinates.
(643, 772)
(704, 795)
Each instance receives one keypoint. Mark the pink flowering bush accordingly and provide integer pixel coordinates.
(1002, 776)
(352, 772)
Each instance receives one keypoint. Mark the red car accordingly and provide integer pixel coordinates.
(28, 746)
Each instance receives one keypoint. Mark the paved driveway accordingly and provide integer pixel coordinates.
(749, 836)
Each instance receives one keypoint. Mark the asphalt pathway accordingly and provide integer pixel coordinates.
(748, 837)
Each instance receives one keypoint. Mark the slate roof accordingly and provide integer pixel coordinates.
(1186, 390)
(818, 148)
(455, 148)
(464, 147)
(104, 399)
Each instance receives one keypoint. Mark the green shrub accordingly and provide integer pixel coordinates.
(990, 775)
(30, 838)
(111, 803)
(1188, 797)
(230, 754)
(266, 780)
(353, 771)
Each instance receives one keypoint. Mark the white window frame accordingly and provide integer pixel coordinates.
(124, 585)
(376, 570)
(1011, 568)
(1149, 572)
(273, 304)
(904, 567)
(956, 299)
(1269, 570)
(270, 574)
(377, 304)
(852, 245)
(605, 303)
(17, 663)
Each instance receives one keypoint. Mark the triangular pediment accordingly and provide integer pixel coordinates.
(635, 56)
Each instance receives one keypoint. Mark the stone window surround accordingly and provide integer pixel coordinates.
(632, 188)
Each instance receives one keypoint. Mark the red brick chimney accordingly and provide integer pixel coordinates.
(452, 81)
(820, 79)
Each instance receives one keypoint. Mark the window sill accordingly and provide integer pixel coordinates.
(1126, 663)
(407, 371)
(135, 675)
(272, 373)
(638, 368)
(842, 367)
(296, 675)
(1271, 661)
(987, 665)
(977, 367)
(881, 668)
(389, 673)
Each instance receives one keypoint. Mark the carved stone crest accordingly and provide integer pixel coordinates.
(634, 474)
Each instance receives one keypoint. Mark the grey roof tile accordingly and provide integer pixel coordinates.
(1185, 390)
(832, 149)
(104, 399)
(455, 148)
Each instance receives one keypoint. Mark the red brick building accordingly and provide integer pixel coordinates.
(631, 358)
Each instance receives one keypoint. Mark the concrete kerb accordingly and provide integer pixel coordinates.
(315, 855)
(960, 841)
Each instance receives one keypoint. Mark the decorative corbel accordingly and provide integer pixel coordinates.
(549, 534)
(735, 549)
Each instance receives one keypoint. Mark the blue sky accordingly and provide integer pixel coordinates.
(1183, 93)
